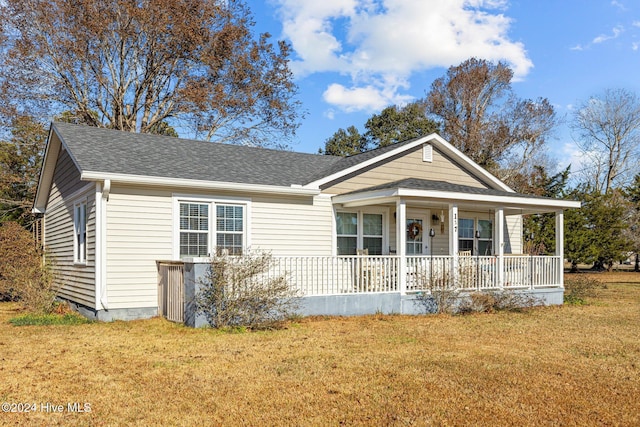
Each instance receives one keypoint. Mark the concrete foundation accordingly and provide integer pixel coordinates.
(116, 314)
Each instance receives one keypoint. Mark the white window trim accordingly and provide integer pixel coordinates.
(212, 201)
(476, 240)
(360, 237)
(80, 249)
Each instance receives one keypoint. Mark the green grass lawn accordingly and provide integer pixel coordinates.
(569, 365)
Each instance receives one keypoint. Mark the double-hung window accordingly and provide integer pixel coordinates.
(358, 230)
(485, 229)
(347, 231)
(207, 227)
(194, 229)
(465, 234)
(372, 233)
(80, 232)
(230, 229)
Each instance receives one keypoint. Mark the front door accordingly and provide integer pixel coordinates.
(416, 225)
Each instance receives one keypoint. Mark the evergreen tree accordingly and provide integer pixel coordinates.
(394, 124)
(595, 232)
(542, 226)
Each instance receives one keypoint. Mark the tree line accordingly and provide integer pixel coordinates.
(192, 66)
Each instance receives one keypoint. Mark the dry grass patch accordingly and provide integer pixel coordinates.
(570, 365)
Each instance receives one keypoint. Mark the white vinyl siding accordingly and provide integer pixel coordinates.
(293, 225)
(139, 232)
(75, 281)
(410, 165)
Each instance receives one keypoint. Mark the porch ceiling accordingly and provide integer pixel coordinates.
(439, 193)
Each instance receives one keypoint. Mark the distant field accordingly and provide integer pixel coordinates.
(570, 365)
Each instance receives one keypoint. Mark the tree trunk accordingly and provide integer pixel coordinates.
(574, 267)
(636, 268)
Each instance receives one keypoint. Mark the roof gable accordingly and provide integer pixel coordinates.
(353, 165)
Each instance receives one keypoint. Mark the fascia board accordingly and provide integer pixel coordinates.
(493, 199)
(199, 184)
(46, 171)
(463, 158)
(375, 196)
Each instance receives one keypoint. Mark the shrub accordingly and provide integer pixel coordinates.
(578, 288)
(237, 291)
(441, 296)
(23, 274)
(491, 301)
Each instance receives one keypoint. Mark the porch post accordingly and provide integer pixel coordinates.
(401, 244)
(499, 248)
(560, 245)
(453, 243)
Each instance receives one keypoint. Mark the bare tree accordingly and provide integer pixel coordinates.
(480, 115)
(607, 130)
(132, 65)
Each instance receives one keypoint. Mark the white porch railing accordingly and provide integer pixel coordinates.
(366, 274)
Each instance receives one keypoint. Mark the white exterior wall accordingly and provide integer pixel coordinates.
(292, 226)
(76, 282)
(513, 225)
(140, 231)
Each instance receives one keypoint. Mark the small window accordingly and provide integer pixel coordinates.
(80, 233)
(229, 229)
(427, 153)
(347, 231)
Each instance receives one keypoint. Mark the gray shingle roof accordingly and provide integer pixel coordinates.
(117, 152)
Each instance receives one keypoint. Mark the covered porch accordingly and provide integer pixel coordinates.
(417, 235)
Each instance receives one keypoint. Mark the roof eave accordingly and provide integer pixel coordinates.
(368, 197)
(293, 190)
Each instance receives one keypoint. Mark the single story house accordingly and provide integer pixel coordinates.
(355, 234)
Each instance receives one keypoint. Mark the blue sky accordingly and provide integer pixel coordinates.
(351, 58)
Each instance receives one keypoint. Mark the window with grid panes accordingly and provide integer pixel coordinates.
(465, 234)
(194, 229)
(230, 229)
(372, 233)
(347, 231)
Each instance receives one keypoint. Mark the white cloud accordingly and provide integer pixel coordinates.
(636, 23)
(635, 45)
(619, 5)
(379, 44)
(368, 98)
(615, 32)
